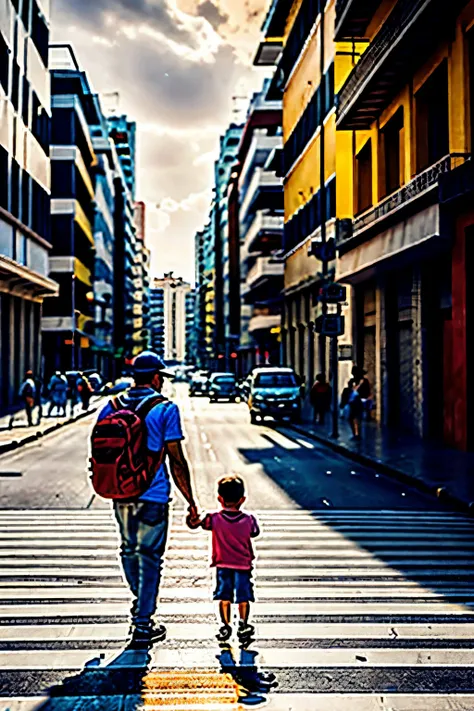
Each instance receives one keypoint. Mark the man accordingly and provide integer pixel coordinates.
(143, 523)
(28, 396)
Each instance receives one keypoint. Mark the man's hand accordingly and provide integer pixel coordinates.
(193, 519)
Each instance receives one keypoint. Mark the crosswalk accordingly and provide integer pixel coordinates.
(356, 610)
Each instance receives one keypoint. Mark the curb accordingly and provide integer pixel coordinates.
(441, 493)
(18, 443)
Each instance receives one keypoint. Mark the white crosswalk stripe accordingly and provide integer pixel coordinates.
(357, 610)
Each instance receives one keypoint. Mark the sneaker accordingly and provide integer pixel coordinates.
(245, 632)
(145, 637)
(224, 634)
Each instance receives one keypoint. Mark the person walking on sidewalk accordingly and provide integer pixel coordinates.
(232, 556)
(58, 393)
(85, 391)
(320, 397)
(143, 520)
(28, 397)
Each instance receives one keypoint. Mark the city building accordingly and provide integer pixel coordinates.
(259, 220)
(25, 236)
(298, 40)
(190, 327)
(205, 297)
(226, 253)
(130, 335)
(174, 316)
(143, 260)
(157, 320)
(408, 114)
(68, 322)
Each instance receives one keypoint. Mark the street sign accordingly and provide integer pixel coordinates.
(333, 294)
(325, 251)
(330, 325)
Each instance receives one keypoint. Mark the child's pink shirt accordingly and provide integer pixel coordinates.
(232, 533)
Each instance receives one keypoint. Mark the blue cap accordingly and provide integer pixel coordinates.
(149, 362)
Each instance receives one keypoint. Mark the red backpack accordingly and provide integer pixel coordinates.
(119, 461)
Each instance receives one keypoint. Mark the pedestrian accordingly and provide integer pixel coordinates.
(232, 556)
(356, 409)
(58, 393)
(72, 393)
(143, 518)
(39, 396)
(320, 397)
(28, 397)
(85, 391)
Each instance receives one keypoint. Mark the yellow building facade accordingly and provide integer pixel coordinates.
(309, 72)
(406, 115)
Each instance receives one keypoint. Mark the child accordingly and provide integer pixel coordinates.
(232, 556)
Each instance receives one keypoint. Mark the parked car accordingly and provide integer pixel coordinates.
(223, 386)
(274, 392)
(199, 383)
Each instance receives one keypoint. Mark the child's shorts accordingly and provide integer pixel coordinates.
(234, 585)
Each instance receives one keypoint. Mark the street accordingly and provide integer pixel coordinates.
(364, 586)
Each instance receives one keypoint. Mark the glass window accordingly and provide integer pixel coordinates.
(40, 33)
(363, 179)
(392, 154)
(432, 119)
(275, 380)
(4, 64)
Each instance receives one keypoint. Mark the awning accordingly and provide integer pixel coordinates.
(417, 231)
(15, 278)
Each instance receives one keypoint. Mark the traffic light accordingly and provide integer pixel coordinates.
(333, 294)
(330, 325)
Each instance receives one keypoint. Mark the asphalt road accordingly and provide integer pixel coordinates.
(364, 586)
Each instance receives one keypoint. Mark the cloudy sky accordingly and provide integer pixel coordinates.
(176, 64)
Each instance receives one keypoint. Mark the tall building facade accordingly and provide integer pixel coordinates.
(225, 251)
(68, 322)
(205, 307)
(175, 295)
(191, 327)
(260, 221)
(407, 111)
(157, 320)
(25, 235)
(299, 43)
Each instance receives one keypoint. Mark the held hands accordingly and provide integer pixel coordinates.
(193, 519)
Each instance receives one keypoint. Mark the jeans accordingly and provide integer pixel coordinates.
(144, 529)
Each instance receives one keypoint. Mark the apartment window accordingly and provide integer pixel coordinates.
(15, 84)
(4, 63)
(3, 178)
(25, 198)
(25, 109)
(363, 178)
(15, 189)
(432, 119)
(25, 13)
(392, 164)
(470, 40)
(40, 33)
(41, 124)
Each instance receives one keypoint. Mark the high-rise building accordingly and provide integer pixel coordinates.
(259, 222)
(205, 321)
(25, 238)
(130, 336)
(157, 320)
(190, 327)
(175, 292)
(69, 321)
(299, 42)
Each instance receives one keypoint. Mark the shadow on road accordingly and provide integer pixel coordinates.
(132, 683)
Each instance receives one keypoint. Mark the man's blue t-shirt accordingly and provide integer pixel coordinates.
(163, 424)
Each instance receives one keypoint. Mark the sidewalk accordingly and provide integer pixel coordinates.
(21, 434)
(443, 472)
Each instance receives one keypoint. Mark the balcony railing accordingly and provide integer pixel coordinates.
(422, 184)
(264, 225)
(262, 181)
(265, 268)
(387, 43)
(264, 322)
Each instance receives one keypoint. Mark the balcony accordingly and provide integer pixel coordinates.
(266, 231)
(264, 282)
(423, 190)
(411, 32)
(353, 17)
(265, 191)
(258, 151)
(264, 322)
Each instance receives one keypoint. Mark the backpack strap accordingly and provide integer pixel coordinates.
(144, 408)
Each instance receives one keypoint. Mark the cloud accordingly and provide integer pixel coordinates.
(176, 65)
